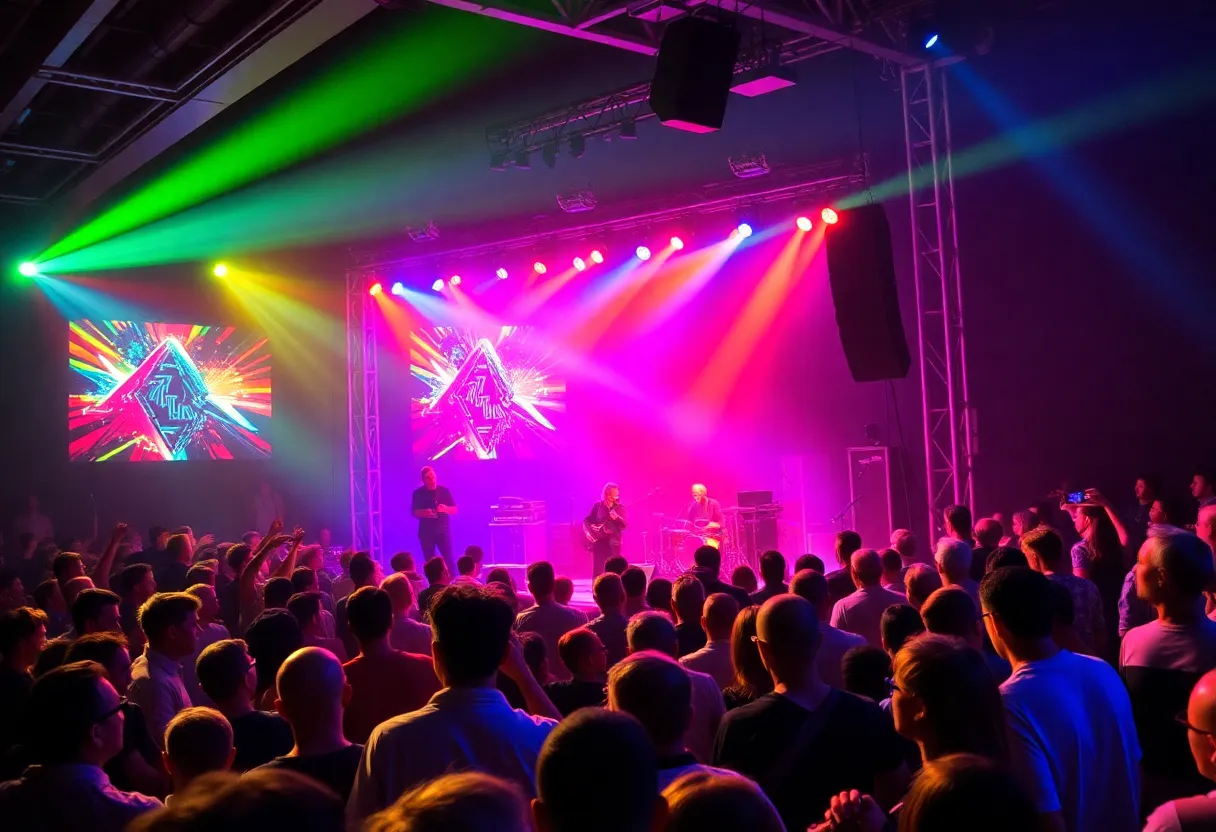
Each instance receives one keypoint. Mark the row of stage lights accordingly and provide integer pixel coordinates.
(643, 253)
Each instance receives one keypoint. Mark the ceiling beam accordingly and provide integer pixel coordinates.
(799, 22)
(522, 17)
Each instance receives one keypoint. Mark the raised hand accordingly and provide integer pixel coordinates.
(275, 527)
(205, 540)
(297, 534)
(119, 533)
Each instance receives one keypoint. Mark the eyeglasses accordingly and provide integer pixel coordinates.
(122, 701)
(1182, 720)
(985, 615)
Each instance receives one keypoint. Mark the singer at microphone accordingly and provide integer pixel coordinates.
(603, 526)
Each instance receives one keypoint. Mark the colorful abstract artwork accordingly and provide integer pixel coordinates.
(167, 392)
(497, 394)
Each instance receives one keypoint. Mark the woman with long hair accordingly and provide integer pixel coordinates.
(752, 679)
(1100, 556)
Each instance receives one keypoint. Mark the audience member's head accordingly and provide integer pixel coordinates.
(397, 585)
(200, 573)
(708, 558)
(276, 593)
(966, 791)
(466, 567)
(865, 565)
(78, 715)
(540, 581)
(312, 692)
(847, 542)
(402, 562)
(208, 603)
(226, 673)
(303, 579)
(1003, 556)
(899, 623)
(582, 653)
(73, 587)
(702, 800)
(950, 611)
(616, 564)
(787, 631)
(197, 741)
(597, 772)
(718, 616)
(658, 595)
(946, 699)
(865, 671)
(1201, 724)
(904, 542)
(921, 581)
(536, 655)
(652, 631)
(953, 558)
(656, 691)
(744, 577)
(363, 570)
(1018, 609)
(988, 532)
(687, 599)
(170, 621)
(256, 801)
(465, 802)
(237, 557)
(22, 637)
(272, 637)
(48, 597)
(752, 678)
(66, 566)
(436, 571)
(813, 586)
(135, 583)
(1023, 521)
(892, 568)
(812, 562)
(609, 593)
(563, 589)
(958, 522)
(1173, 568)
(306, 607)
(1044, 550)
(369, 615)
(107, 649)
(772, 569)
(472, 628)
(633, 581)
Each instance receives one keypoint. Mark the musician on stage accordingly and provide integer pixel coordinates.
(433, 505)
(704, 512)
(603, 526)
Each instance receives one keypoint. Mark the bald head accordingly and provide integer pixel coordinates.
(988, 532)
(718, 616)
(1201, 714)
(866, 566)
(788, 631)
(311, 686)
(74, 587)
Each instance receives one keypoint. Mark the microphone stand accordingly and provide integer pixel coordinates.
(839, 516)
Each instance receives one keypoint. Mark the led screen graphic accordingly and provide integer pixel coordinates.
(497, 394)
(166, 392)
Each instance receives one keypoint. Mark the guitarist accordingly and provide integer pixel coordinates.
(603, 526)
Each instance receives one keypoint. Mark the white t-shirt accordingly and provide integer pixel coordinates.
(1073, 740)
(831, 650)
(861, 612)
(1165, 817)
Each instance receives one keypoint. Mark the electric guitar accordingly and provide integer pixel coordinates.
(596, 532)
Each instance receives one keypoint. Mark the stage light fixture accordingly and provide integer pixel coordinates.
(398, 289)
(578, 145)
(743, 230)
(539, 267)
(502, 273)
(498, 161)
(523, 160)
(375, 290)
(28, 269)
(454, 280)
(677, 243)
(643, 253)
(438, 285)
(829, 216)
(931, 40)
(629, 130)
(803, 223)
(580, 264)
(597, 257)
(548, 154)
(220, 270)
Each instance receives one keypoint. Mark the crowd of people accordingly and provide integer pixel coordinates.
(998, 680)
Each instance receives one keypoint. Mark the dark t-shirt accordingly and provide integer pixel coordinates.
(136, 739)
(336, 769)
(430, 498)
(171, 577)
(426, 597)
(259, 737)
(856, 741)
(840, 585)
(15, 689)
(690, 638)
(570, 695)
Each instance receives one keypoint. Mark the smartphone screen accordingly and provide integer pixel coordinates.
(1075, 497)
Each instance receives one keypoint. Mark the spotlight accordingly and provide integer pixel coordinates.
(220, 270)
(629, 130)
(438, 285)
(28, 269)
(454, 280)
(502, 273)
(539, 267)
(803, 223)
(375, 290)
(398, 289)
(578, 145)
(677, 243)
(829, 216)
(548, 154)
(580, 263)
(498, 161)
(743, 230)
(643, 253)
(931, 41)
(523, 160)
(597, 257)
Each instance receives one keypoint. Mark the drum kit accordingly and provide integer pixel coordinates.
(735, 538)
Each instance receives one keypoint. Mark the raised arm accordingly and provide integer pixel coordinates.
(517, 670)
(101, 572)
(288, 565)
(247, 580)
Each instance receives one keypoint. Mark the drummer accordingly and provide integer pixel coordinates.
(704, 512)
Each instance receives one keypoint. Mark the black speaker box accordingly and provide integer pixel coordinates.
(692, 79)
(862, 274)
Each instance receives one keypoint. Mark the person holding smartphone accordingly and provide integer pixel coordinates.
(433, 505)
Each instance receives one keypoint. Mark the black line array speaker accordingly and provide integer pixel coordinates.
(861, 271)
(692, 78)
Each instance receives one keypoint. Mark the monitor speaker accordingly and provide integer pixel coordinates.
(692, 79)
(861, 270)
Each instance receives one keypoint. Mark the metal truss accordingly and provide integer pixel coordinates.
(363, 417)
(948, 419)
